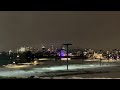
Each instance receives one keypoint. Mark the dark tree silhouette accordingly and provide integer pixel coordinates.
(28, 56)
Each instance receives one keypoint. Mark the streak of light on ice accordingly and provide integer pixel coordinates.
(71, 67)
(22, 73)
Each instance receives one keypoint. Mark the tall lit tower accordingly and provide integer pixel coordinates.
(10, 54)
(52, 48)
(10, 51)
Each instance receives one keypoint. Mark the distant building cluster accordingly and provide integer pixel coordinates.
(27, 54)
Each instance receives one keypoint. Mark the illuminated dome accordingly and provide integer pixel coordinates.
(63, 48)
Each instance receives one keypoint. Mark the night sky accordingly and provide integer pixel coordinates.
(84, 29)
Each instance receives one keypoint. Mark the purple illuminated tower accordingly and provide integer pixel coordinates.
(62, 52)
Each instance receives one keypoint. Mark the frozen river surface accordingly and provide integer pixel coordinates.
(36, 71)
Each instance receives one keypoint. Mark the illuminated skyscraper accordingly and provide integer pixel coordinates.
(52, 48)
(10, 51)
(10, 54)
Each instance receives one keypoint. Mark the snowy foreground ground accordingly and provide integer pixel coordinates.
(76, 71)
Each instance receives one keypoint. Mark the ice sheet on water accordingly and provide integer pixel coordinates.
(23, 73)
(54, 68)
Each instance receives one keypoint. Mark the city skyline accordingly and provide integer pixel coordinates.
(84, 29)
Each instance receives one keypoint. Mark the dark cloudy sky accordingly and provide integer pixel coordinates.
(89, 29)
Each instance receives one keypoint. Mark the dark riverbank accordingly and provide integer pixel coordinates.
(5, 61)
